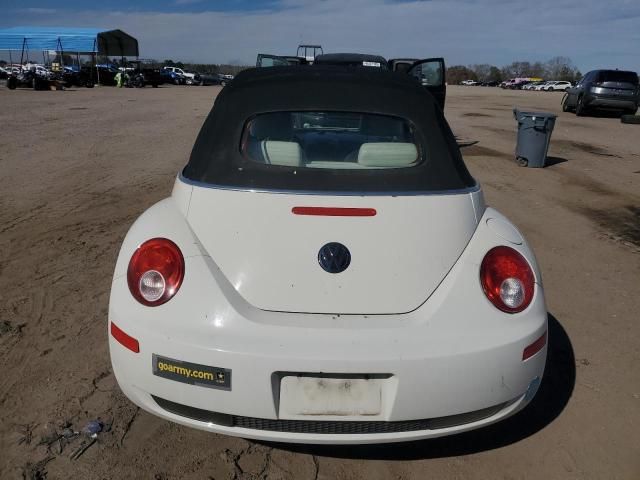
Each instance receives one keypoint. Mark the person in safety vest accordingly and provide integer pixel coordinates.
(120, 79)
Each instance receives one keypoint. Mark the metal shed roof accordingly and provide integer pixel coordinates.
(87, 40)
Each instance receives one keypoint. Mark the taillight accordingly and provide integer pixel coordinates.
(155, 272)
(507, 279)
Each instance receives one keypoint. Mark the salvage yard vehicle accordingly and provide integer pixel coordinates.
(309, 52)
(171, 76)
(143, 73)
(616, 90)
(104, 74)
(430, 72)
(268, 60)
(326, 271)
(532, 85)
(192, 78)
(212, 79)
(401, 64)
(31, 78)
(352, 60)
(186, 77)
(558, 86)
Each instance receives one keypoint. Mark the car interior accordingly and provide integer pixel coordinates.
(332, 140)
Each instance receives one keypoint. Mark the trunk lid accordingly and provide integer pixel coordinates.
(399, 256)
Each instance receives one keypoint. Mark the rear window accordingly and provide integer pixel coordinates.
(617, 76)
(331, 140)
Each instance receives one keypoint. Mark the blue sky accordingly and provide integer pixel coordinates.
(593, 33)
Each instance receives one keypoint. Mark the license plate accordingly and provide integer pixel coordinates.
(191, 373)
(303, 396)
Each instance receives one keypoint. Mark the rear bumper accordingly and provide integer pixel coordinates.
(426, 395)
(597, 101)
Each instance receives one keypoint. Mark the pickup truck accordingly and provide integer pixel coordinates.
(188, 78)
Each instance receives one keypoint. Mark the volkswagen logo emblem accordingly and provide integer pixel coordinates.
(334, 257)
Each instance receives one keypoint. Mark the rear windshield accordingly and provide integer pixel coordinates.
(617, 76)
(331, 140)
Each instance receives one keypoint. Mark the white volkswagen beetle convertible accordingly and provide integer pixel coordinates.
(326, 271)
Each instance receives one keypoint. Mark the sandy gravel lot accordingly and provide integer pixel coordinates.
(77, 167)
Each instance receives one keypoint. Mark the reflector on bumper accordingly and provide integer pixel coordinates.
(124, 339)
(535, 347)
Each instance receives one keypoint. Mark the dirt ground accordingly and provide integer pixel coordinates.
(78, 166)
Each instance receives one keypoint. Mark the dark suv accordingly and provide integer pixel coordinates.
(604, 89)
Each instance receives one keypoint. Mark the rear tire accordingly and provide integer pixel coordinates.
(581, 110)
(12, 83)
(632, 119)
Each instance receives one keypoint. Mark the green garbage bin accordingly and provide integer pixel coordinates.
(534, 135)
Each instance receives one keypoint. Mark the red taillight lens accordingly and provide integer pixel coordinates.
(155, 271)
(507, 279)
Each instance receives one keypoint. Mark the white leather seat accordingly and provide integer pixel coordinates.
(387, 155)
(281, 153)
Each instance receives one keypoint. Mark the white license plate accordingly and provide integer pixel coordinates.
(344, 397)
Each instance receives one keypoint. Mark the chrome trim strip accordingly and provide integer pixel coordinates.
(462, 191)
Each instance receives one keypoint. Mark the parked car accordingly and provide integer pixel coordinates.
(542, 86)
(76, 77)
(352, 60)
(532, 85)
(170, 76)
(192, 78)
(39, 70)
(104, 74)
(269, 60)
(213, 79)
(143, 73)
(469, 82)
(558, 86)
(186, 77)
(375, 298)
(515, 83)
(402, 65)
(604, 90)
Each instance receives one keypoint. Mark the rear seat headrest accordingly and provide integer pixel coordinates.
(387, 154)
(281, 153)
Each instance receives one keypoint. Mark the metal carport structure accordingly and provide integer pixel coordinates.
(86, 41)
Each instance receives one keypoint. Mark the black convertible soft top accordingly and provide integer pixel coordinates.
(216, 158)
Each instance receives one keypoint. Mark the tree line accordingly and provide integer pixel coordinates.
(556, 68)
